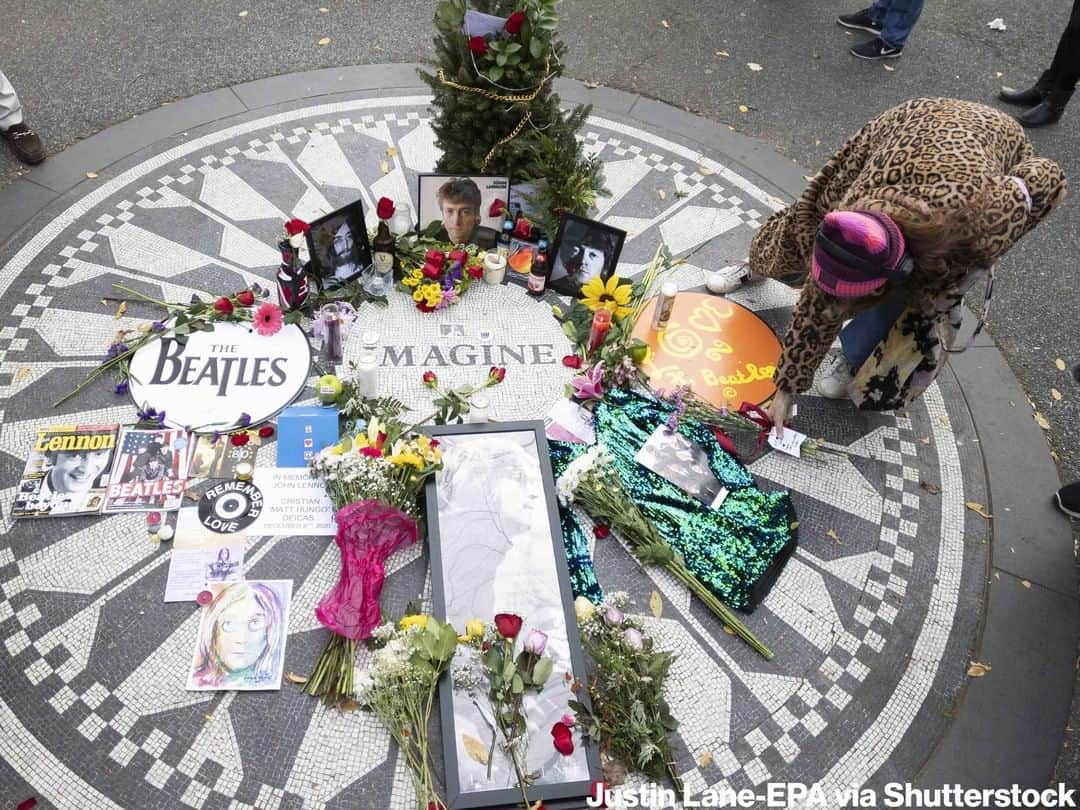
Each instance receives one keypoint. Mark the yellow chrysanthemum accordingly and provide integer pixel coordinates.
(611, 295)
(411, 280)
(408, 457)
(416, 620)
(418, 294)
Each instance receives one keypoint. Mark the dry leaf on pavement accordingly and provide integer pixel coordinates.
(889, 68)
(933, 489)
(294, 678)
(1055, 394)
(120, 310)
(743, 108)
(656, 604)
(977, 669)
(1060, 364)
(475, 749)
(665, 23)
(1025, 583)
(754, 66)
(661, 194)
(385, 166)
(243, 14)
(21, 375)
(324, 41)
(705, 759)
(1040, 420)
(348, 705)
(978, 509)
(93, 176)
(723, 53)
(705, 171)
(323, 9)
(391, 151)
(831, 534)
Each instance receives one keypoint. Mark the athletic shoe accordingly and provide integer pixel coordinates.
(728, 279)
(833, 384)
(860, 21)
(1068, 499)
(876, 49)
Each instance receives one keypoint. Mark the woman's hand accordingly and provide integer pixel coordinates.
(780, 411)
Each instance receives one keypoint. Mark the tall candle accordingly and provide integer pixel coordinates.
(366, 375)
(601, 323)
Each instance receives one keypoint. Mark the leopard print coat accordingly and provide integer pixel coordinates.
(926, 154)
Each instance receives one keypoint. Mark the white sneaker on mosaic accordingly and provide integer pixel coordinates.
(836, 376)
(727, 279)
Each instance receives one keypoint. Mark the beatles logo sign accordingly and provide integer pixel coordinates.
(209, 381)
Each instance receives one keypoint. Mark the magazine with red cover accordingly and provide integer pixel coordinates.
(150, 471)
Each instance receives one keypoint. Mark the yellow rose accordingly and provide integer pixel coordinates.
(583, 609)
(474, 628)
(416, 620)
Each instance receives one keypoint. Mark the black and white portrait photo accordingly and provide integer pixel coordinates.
(339, 246)
(583, 250)
(685, 464)
(458, 210)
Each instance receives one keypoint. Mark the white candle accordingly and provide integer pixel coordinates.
(479, 408)
(367, 375)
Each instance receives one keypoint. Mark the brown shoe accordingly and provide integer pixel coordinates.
(25, 143)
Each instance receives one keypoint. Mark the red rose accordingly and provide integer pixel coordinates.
(563, 738)
(434, 442)
(601, 530)
(508, 624)
(424, 307)
(435, 257)
(432, 270)
(266, 431)
(224, 306)
(458, 256)
(430, 379)
(240, 439)
(385, 208)
(245, 298)
(572, 361)
(497, 373)
(515, 22)
(523, 229)
(475, 271)
(478, 45)
(497, 208)
(295, 226)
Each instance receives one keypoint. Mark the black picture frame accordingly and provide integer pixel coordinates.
(326, 261)
(557, 796)
(579, 242)
(429, 217)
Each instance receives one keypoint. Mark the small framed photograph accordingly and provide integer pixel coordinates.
(583, 250)
(496, 547)
(338, 245)
(462, 210)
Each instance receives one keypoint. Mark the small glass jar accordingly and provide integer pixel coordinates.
(479, 408)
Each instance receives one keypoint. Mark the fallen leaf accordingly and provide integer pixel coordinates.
(665, 23)
(925, 440)
(933, 489)
(977, 669)
(794, 525)
(978, 509)
(832, 535)
(92, 175)
(656, 604)
(889, 68)
(209, 718)
(323, 9)
(705, 171)
(21, 375)
(476, 750)
(385, 166)
(243, 14)
(1055, 394)
(1025, 583)
(728, 630)
(349, 705)
(1060, 364)
(998, 74)
(661, 194)
(1040, 420)
(754, 66)
(997, 24)
(324, 41)
(294, 678)
(120, 310)
(705, 759)
(743, 108)
(944, 420)
(1055, 456)
(592, 85)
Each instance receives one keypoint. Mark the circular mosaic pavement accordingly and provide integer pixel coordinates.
(872, 619)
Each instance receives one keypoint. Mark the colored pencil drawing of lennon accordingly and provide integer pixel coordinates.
(241, 638)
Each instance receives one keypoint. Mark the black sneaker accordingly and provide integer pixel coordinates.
(1068, 499)
(860, 21)
(876, 49)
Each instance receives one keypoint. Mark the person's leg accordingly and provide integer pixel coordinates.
(1065, 69)
(899, 20)
(10, 109)
(857, 341)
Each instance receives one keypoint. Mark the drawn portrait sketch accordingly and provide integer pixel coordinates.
(499, 557)
(241, 638)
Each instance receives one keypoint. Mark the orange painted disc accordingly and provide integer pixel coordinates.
(725, 352)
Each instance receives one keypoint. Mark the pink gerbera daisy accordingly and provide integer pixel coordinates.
(267, 320)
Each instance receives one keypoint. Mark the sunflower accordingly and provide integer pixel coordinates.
(612, 295)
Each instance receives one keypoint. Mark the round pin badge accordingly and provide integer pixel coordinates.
(204, 598)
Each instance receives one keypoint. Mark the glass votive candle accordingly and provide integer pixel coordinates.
(479, 408)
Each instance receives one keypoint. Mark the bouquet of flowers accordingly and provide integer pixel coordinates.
(373, 479)
(399, 687)
(592, 483)
(509, 676)
(630, 719)
(443, 278)
(453, 404)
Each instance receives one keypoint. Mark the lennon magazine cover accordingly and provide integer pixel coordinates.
(67, 470)
(150, 471)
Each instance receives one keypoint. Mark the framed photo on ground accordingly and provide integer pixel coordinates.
(458, 209)
(338, 245)
(583, 249)
(496, 547)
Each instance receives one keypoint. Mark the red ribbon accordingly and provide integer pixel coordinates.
(759, 418)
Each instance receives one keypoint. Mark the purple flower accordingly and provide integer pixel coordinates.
(591, 384)
(161, 419)
(535, 642)
(195, 298)
(215, 437)
(121, 388)
(633, 638)
(613, 616)
(117, 348)
(145, 415)
(673, 421)
(157, 326)
(244, 420)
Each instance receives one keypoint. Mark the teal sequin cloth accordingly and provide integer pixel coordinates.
(736, 550)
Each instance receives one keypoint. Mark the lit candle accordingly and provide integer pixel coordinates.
(601, 323)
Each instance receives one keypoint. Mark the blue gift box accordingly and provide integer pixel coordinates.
(304, 430)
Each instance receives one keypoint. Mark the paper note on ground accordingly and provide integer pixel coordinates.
(294, 504)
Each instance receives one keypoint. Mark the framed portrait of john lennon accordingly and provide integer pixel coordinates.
(583, 250)
(338, 245)
(496, 547)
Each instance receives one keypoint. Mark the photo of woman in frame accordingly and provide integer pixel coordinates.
(338, 245)
(241, 638)
(584, 249)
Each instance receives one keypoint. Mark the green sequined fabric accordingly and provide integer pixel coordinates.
(736, 550)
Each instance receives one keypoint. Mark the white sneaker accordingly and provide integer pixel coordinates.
(836, 377)
(727, 279)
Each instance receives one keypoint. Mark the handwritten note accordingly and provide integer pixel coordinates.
(791, 443)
